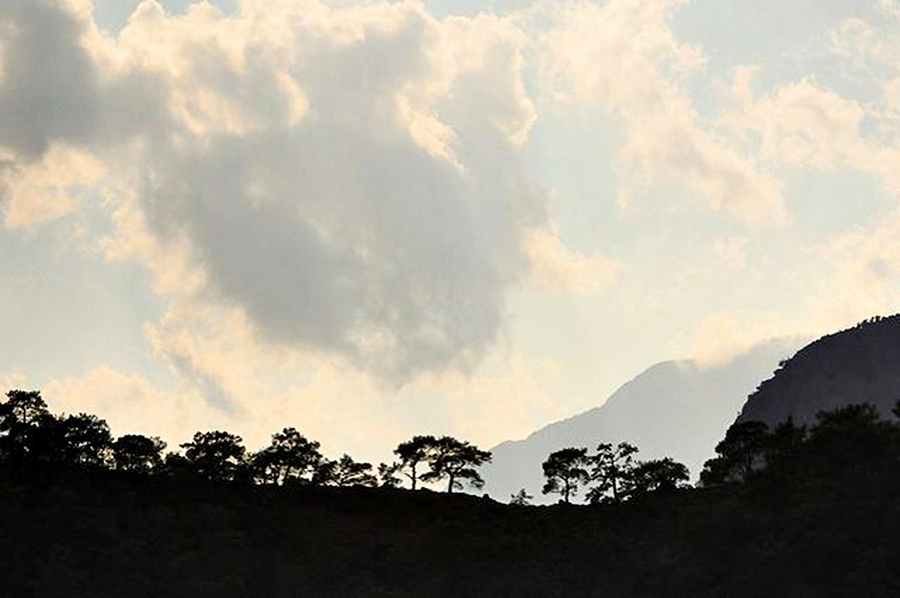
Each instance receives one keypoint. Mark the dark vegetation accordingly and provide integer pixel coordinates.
(784, 512)
(33, 439)
(617, 475)
(793, 509)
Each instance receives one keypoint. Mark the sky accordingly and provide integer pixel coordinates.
(369, 220)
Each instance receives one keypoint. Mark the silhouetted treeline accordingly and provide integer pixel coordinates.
(613, 471)
(783, 512)
(851, 436)
(31, 437)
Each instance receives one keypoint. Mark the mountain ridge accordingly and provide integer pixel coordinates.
(675, 408)
(854, 365)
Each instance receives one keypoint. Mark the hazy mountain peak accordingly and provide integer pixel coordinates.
(676, 408)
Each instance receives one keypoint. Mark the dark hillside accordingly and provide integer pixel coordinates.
(107, 535)
(852, 366)
(788, 511)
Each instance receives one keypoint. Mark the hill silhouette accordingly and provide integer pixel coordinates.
(860, 364)
(677, 409)
(792, 511)
(827, 528)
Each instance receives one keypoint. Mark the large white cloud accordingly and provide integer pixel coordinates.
(347, 177)
(330, 195)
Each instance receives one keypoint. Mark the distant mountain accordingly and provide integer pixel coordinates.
(675, 408)
(861, 364)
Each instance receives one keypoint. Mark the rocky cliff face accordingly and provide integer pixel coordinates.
(677, 409)
(861, 364)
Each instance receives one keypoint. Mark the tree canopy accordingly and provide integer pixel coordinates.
(137, 453)
(611, 469)
(21, 416)
(217, 455)
(566, 470)
(413, 452)
(84, 440)
(739, 453)
(345, 472)
(657, 475)
(290, 456)
(455, 461)
(617, 476)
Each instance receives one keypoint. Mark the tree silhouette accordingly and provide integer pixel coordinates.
(715, 471)
(411, 453)
(611, 468)
(344, 472)
(137, 453)
(290, 456)
(22, 407)
(22, 416)
(657, 475)
(387, 475)
(852, 434)
(325, 473)
(176, 465)
(858, 418)
(566, 470)
(740, 453)
(83, 440)
(520, 498)
(216, 456)
(784, 443)
(455, 461)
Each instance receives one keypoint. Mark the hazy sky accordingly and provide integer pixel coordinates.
(373, 219)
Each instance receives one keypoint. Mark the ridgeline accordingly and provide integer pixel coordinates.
(820, 520)
(807, 507)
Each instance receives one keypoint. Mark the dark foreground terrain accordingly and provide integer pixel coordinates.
(106, 534)
(802, 499)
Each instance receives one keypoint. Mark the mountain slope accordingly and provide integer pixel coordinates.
(675, 408)
(861, 364)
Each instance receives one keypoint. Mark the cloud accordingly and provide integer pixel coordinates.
(129, 403)
(862, 277)
(12, 380)
(268, 388)
(342, 232)
(850, 277)
(624, 57)
(720, 337)
(558, 268)
(215, 348)
(347, 178)
(800, 123)
(871, 42)
(49, 84)
(731, 252)
(50, 188)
